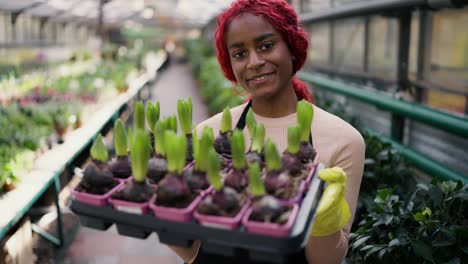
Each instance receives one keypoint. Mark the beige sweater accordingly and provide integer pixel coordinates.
(337, 144)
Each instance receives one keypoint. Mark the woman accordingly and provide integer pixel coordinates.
(260, 46)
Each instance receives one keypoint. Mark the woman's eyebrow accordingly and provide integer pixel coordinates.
(256, 40)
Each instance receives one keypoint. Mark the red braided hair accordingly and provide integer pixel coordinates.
(283, 18)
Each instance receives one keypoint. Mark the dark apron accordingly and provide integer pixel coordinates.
(243, 257)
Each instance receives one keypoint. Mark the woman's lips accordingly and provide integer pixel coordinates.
(261, 79)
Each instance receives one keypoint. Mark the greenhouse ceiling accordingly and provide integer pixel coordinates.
(168, 13)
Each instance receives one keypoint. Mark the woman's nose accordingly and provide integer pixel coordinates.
(255, 61)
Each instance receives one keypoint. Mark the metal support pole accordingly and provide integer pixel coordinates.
(366, 43)
(404, 30)
(57, 241)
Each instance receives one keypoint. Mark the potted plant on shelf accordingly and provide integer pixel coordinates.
(224, 207)
(278, 181)
(267, 215)
(174, 200)
(157, 165)
(97, 183)
(133, 197)
(196, 176)
(184, 110)
(120, 166)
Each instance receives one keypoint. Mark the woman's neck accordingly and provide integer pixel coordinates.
(282, 104)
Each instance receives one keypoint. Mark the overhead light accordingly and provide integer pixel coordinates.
(147, 13)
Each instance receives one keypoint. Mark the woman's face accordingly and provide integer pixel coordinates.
(260, 59)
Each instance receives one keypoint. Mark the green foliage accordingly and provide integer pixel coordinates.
(258, 138)
(272, 156)
(213, 169)
(120, 138)
(238, 149)
(139, 117)
(201, 147)
(226, 121)
(430, 226)
(305, 114)
(99, 150)
(176, 151)
(256, 186)
(152, 115)
(294, 138)
(184, 109)
(251, 122)
(140, 152)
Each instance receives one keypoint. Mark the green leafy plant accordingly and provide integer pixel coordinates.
(305, 114)
(202, 148)
(226, 121)
(238, 150)
(256, 186)
(272, 156)
(294, 139)
(431, 226)
(213, 170)
(176, 151)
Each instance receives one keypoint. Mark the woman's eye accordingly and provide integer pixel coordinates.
(239, 54)
(266, 46)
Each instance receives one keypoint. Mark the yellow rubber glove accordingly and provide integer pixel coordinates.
(333, 212)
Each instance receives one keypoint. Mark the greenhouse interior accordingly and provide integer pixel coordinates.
(373, 167)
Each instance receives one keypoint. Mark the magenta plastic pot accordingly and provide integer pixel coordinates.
(297, 199)
(129, 207)
(175, 214)
(221, 221)
(270, 229)
(310, 175)
(95, 199)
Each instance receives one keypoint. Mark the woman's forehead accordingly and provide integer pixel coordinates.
(246, 28)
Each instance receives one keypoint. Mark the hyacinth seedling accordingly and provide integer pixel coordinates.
(255, 154)
(120, 165)
(98, 151)
(152, 115)
(223, 140)
(225, 201)
(275, 180)
(138, 190)
(173, 191)
(157, 165)
(265, 208)
(237, 177)
(184, 110)
(305, 114)
(196, 178)
(251, 122)
(290, 159)
(139, 117)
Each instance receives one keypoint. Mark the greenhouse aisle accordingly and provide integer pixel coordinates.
(93, 246)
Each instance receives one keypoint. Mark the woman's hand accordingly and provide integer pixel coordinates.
(333, 212)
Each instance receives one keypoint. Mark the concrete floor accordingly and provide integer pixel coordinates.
(93, 246)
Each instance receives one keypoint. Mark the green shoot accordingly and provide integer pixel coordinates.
(213, 169)
(272, 156)
(258, 138)
(140, 152)
(139, 116)
(226, 121)
(172, 123)
(99, 150)
(120, 138)
(256, 186)
(238, 149)
(129, 137)
(152, 115)
(250, 121)
(203, 146)
(305, 114)
(176, 151)
(159, 129)
(184, 109)
(294, 140)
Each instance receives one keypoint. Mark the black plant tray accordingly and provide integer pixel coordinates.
(214, 240)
